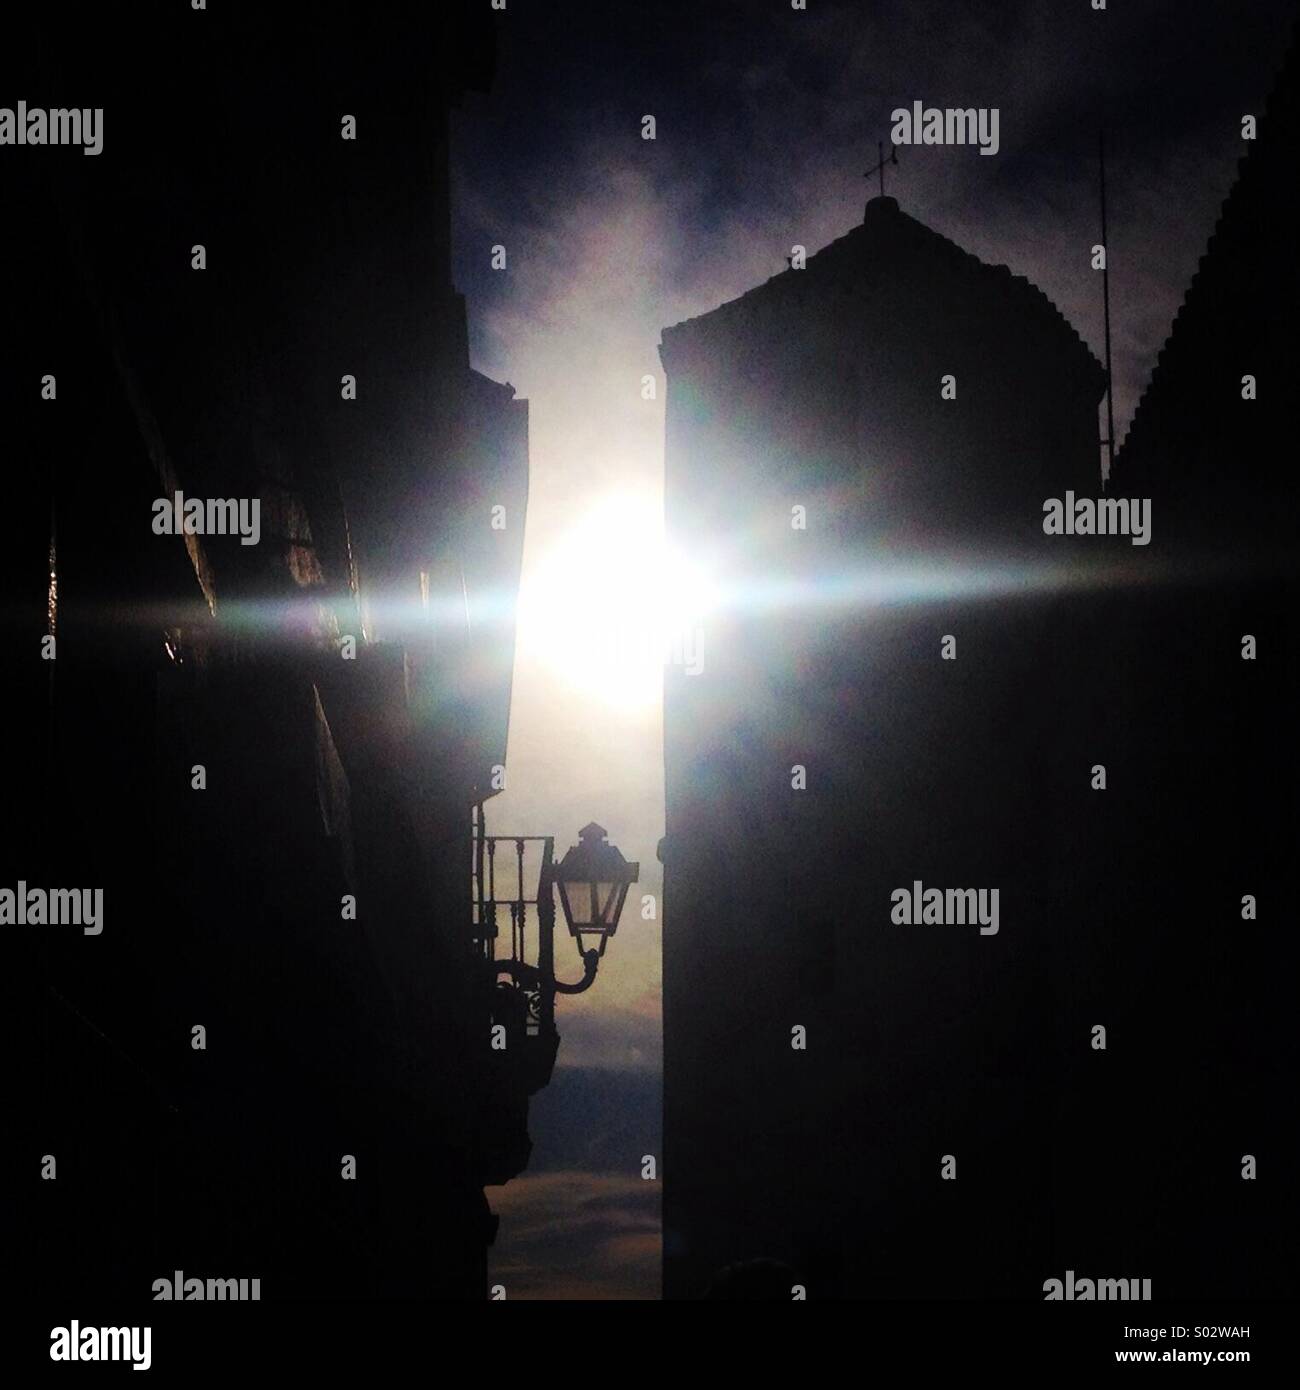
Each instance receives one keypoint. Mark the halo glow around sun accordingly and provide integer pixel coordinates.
(607, 606)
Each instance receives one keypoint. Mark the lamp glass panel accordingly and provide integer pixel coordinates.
(569, 902)
(581, 901)
(606, 894)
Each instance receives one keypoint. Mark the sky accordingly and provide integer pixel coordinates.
(766, 119)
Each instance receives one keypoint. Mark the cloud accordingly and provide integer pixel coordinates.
(577, 1235)
(616, 1038)
(765, 124)
(597, 1119)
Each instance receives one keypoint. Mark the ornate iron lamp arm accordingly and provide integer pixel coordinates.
(590, 962)
(531, 977)
(519, 971)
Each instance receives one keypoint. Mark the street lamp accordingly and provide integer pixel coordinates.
(593, 879)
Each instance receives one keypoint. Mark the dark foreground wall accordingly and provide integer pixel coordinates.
(949, 1123)
(284, 977)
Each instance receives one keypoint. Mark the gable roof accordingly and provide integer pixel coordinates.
(886, 236)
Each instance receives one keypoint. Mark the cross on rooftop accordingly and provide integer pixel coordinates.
(880, 167)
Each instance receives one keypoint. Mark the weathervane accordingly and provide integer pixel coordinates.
(880, 168)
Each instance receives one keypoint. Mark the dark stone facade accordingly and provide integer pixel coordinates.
(324, 776)
(1120, 908)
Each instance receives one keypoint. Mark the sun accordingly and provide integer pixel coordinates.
(607, 605)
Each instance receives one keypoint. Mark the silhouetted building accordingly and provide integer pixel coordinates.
(1211, 438)
(267, 755)
(908, 682)
(1195, 677)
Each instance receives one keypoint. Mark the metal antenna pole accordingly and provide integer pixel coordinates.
(1109, 441)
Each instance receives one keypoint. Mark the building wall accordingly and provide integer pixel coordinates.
(1120, 907)
(325, 776)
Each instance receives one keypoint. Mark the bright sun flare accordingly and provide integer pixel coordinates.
(606, 606)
